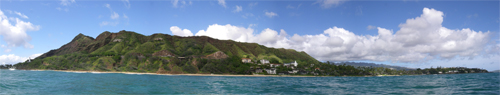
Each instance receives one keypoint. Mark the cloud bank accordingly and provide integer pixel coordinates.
(13, 59)
(13, 31)
(419, 39)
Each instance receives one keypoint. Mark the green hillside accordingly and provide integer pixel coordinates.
(160, 53)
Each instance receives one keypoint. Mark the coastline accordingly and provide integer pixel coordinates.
(226, 75)
(138, 73)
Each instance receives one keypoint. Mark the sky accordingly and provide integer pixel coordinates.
(416, 34)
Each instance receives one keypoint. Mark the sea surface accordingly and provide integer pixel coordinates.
(54, 82)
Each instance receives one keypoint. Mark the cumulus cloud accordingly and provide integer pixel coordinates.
(67, 2)
(13, 59)
(226, 32)
(238, 9)
(222, 3)
(14, 34)
(328, 3)
(419, 39)
(270, 14)
(180, 32)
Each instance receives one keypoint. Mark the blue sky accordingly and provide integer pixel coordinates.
(329, 30)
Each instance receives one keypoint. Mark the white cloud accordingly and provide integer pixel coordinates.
(67, 2)
(175, 3)
(293, 7)
(125, 16)
(104, 23)
(14, 34)
(7, 50)
(126, 3)
(251, 5)
(33, 56)
(419, 39)
(470, 16)
(370, 27)
(62, 9)
(11, 59)
(21, 15)
(247, 15)
(328, 3)
(238, 9)
(226, 32)
(270, 14)
(115, 16)
(222, 3)
(14, 59)
(107, 6)
(180, 32)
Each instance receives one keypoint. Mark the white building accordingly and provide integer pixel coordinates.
(246, 60)
(271, 71)
(292, 64)
(293, 71)
(274, 65)
(263, 61)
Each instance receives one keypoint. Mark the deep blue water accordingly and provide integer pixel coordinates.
(53, 82)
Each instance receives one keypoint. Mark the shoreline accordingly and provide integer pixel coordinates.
(226, 75)
(138, 73)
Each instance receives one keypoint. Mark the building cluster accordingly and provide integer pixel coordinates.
(273, 66)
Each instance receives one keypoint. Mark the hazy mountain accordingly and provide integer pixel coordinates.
(363, 64)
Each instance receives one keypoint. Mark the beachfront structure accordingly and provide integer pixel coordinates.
(258, 70)
(246, 60)
(293, 71)
(271, 71)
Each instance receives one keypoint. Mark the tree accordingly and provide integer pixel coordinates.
(274, 60)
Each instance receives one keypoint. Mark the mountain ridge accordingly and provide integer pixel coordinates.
(131, 51)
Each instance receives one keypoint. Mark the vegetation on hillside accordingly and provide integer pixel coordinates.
(162, 53)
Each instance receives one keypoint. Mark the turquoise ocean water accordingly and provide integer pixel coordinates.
(53, 82)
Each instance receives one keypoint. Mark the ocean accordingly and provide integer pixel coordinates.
(54, 82)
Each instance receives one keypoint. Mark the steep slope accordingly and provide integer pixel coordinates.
(161, 53)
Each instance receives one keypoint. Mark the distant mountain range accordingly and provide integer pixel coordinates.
(363, 64)
(495, 71)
